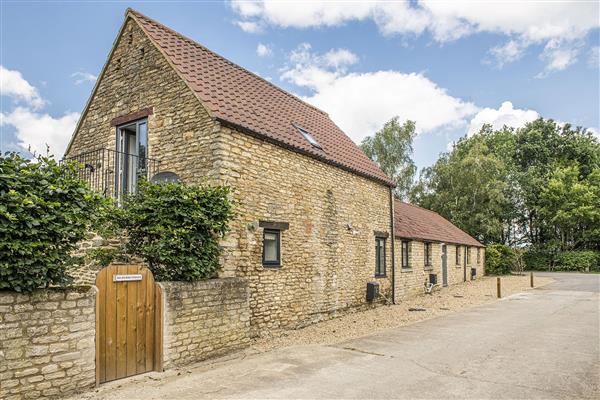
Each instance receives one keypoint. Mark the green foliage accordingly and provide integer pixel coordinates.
(104, 256)
(538, 260)
(391, 148)
(578, 261)
(45, 210)
(176, 228)
(500, 259)
(538, 186)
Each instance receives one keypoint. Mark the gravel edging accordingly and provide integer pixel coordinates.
(361, 323)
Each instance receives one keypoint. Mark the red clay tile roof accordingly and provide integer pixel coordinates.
(242, 99)
(414, 222)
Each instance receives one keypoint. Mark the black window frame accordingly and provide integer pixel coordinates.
(427, 256)
(380, 243)
(405, 254)
(457, 256)
(270, 263)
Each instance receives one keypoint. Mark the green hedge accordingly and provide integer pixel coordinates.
(536, 260)
(45, 210)
(499, 259)
(577, 260)
(176, 228)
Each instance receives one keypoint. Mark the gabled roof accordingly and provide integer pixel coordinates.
(414, 222)
(241, 99)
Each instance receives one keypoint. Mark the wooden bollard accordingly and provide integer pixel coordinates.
(498, 287)
(531, 279)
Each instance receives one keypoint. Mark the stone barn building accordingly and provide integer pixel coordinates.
(314, 221)
(429, 248)
(315, 216)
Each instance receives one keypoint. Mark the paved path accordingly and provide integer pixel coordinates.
(539, 344)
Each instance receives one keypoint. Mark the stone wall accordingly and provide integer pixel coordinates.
(47, 343)
(138, 77)
(328, 251)
(411, 281)
(204, 319)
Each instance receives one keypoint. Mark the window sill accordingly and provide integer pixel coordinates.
(428, 268)
(459, 266)
(272, 266)
(406, 270)
(380, 276)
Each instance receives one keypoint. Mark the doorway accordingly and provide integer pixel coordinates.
(132, 154)
(444, 265)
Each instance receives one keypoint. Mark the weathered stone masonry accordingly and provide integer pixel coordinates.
(410, 281)
(204, 319)
(138, 77)
(47, 344)
(328, 252)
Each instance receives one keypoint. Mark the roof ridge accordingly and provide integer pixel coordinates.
(195, 43)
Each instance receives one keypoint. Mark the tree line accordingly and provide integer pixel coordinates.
(535, 187)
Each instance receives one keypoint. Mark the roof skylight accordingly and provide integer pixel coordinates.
(309, 138)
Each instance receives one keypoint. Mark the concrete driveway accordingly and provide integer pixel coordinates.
(540, 344)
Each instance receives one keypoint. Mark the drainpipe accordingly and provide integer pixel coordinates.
(393, 236)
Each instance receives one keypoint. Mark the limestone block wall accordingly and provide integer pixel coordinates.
(204, 319)
(328, 252)
(47, 344)
(138, 77)
(410, 281)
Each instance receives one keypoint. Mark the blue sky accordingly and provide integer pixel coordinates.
(450, 66)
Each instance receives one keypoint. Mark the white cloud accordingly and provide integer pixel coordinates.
(558, 56)
(33, 128)
(498, 118)
(13, 85)
(82, 77)
(306, 68)
(249, 26)
(594, 57)
(263, 50)
(36, 130)
(508, 53)
(338, 58)
(360, 103)
(524, 22)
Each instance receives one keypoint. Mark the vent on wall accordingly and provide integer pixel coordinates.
(372, 291)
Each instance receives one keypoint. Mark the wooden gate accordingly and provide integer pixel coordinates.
(128, 322)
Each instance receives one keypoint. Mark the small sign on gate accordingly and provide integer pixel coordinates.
(127, 278)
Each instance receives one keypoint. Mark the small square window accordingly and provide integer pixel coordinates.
(272, 248)
(309, 138)
(379, 256)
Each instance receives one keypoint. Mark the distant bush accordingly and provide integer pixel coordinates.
(45, 210)
(536, 260)
(578, 261)
(500, 259)
(176, 228)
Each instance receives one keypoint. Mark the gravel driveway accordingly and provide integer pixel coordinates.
(542, 343)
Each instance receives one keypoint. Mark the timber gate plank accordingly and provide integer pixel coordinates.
(128, 328)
